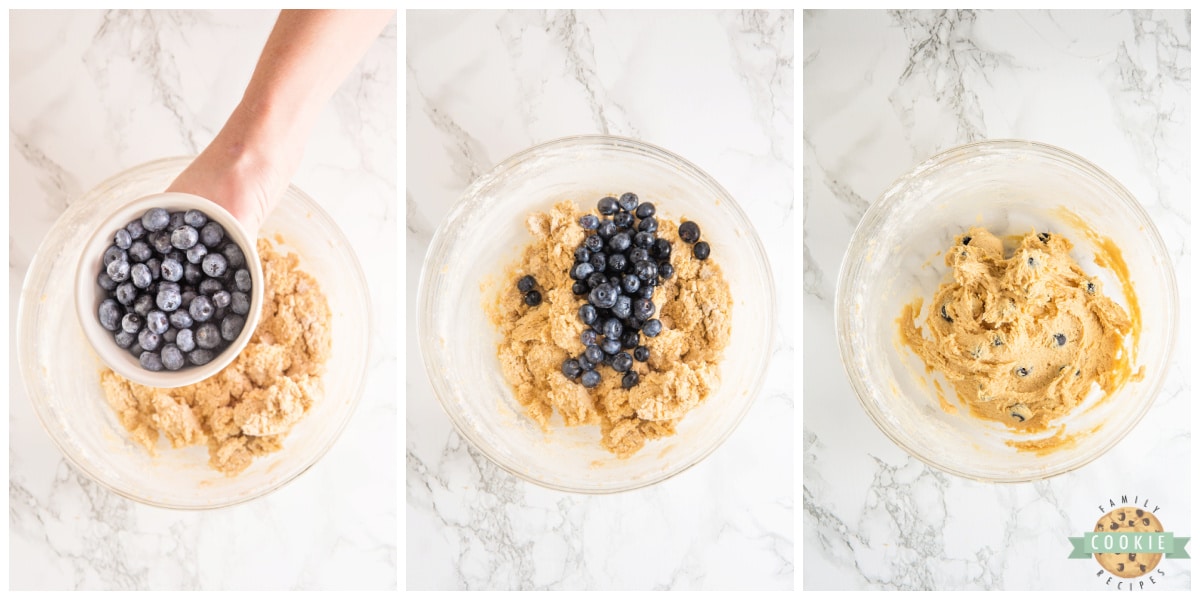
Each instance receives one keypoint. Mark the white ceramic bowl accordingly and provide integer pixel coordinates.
(89, 294)
(486, 231)
(896, 255)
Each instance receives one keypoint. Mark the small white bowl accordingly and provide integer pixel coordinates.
(89, 294)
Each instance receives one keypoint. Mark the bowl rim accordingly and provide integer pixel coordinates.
(25, 303)
(441, 238)
(875, 214)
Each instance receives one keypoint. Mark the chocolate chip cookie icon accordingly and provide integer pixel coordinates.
(1128, 564)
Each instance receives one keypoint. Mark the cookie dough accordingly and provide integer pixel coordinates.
(1128, 564)
(250, 406)
(1022, 337)
(695, 308)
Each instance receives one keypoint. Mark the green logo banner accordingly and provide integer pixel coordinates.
(1141, 542)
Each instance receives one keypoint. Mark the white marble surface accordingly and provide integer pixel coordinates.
(718, 89)
(884, 91)
(93, 93)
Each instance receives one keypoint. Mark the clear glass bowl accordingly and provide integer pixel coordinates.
(62, 373)
(485, 231)
(895, 256)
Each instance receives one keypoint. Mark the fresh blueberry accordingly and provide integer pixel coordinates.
(200, 356)
(221, 299)
(208, 336)
(149, 340)
(661, 249)
(589, 222)
(118, 270)
(135, 229)
(623, 361)
(140, 251)
(150, 361)
(570, 369)
(185, 237)
(629, 380)
(619, 242)
(143, 305)
(122, 239)
(170, 334)
(209, 287)
(160, 241)
(1060, 339)
(610, 346)
(582, 254)
(186, 295)
(233, 255)
(643, 308)
(231, 327)
(590, 378)
(201, 309)
(587, 314)
(643, 240)
(588, 337)
(155, 266)
(689, 232)
(628, 201)
(139, 275)
(212, 234)
(613, 328)
(646, 292)
(195, 218)
(241, 280)
(110, 314)
(581, 271)
(192, 273)
(156, 321)
(533, 298)
(603, 296)
(156, 219)
(168, 298)
(644, 210)
(524, 284)
(646, 271)
(641, 353)
(607, 229)
(638, 255)
(630, 283)
(665, 270)
(105, 282)
(599, 261)
(701, 250)
(631, 338)
(580, 288)
(172, 357)
(623, 220)
(593, 243)
(607, 205)
(623, 308)
(240, 303)
(584, 363)
(648, 225)
(126, 293)
(171, 270)
(176, 221)
(652, 328)
(185, 340)
(196, 254)
(214, 265)
(131, 323)
(617, 263)
(180, 319)
(594, 354)
(124, 339)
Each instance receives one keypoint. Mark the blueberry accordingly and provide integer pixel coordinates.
(638, 255)
(171, 270)
(629, 380)
(180, 319)
(623, 308)
(209, 287)
(623, 361)
(160, 241)
(570, 369)
(641, 353)
(607, 229)
(140, 251)
(185, 340)
(623, 220)
(149, 340)
(652, 328)
(186, 296)
(195, 218)
(619, 242)
(617, 263)
(607, 205)
(170, 334)
(631, 338)
(590, 378)
(176, 221)
(630, 283)
(200, 356)
(661, 249)
(643, 308)
(646, 292)
(185, 237)
(613, 328)
(221, 299)
(214, 265)
(155, 267)
(208, 336)
(588, 337)
(599, 261)
(239, 303)
(593, 243)
(604, 296)
(211, 234)
(139, 275)
(172, 357)
(643, 240)
(628, 201)
(1060, 339)
(118, 270)
(644, 210)
(156, 219)
(110, 314)
(143, 305)
(122, 239)
(533, 298)
(610, 346)
(124, 339)
(701, 250)
(168, 298)
(665, 270)
(594, 354)
(233, 255)
(689, 232)
(231, 327)
(580, 288)
(126, 293)
(105, 282)
(131, 323)
(587, 314)
(524, 284)
(646, 271)
(241, 280)
(581, 271)
(156, 321)
(589, 222)
(196, 253)
(135, 229)
(201, 309)
(150, 361)
(582, 254)
(648, 225)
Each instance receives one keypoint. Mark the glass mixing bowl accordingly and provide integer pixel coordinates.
(895, 256)
(62, 373)
(485, 232)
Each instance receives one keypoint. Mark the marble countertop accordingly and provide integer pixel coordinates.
(93, 93)
(715, 87)
(882, 92)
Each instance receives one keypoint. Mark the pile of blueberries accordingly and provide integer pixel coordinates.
(177, 290)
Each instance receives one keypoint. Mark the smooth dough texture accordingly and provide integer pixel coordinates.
(1021, 338)
(250, 406)
(694, 306)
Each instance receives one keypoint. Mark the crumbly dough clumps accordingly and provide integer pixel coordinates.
(250, 406)
(1021, 337)
(694, 306)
